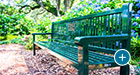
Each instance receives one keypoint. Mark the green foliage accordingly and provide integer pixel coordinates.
(28, 40)
(4, 42)
(17, 40)
(10, 37)
(135, 32)
(135, 61)
(85, 7)
(2, 38)
(16, 24)
(136, 19)
(135, 47)
(135, 51)
(43, 26)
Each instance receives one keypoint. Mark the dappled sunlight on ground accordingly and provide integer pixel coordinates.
(11, 47)
(11, 61)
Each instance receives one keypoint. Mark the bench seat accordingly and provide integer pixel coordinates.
(71, 53)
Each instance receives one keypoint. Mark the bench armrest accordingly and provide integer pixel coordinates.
(95, 39)
(40, 33)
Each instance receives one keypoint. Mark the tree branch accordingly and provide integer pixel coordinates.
(32, 8)
(45, 5)
(48, 7)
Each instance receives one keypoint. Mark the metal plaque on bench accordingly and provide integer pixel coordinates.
(71, 27)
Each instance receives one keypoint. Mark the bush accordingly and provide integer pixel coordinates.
(43, 26)
(17, 40)
(135, 46)
(2, 38)
(84, 7)
(16, 24)
(4, 42)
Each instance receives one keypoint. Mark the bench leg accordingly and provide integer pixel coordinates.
(124, 70)
(34, 45)
(34, 53)
(83, 59)
(83, 71)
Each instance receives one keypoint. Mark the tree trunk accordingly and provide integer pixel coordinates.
(66, 5)
(58, 7)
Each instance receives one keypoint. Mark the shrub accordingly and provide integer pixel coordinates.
(43, 26)
(17, 40)
(4, 42)
(2, 38)
(27, 40)
(135, 46)
(16, 24)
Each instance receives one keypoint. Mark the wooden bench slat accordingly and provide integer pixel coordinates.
(102, 49)
(73, 56)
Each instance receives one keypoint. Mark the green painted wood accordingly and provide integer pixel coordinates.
(98, 25)
(115, 23)
(102, 49)
(115, 29)
(52, 32)
(101, 58)
(40, 33)
(112, 24)
(120, 23)
(83, 59)
(101, 26)
(108, 24)
(71, 53)
(90, 27)
(119, 10)
(105, 25)
(34, 52)
(104, 38)
(93, 26)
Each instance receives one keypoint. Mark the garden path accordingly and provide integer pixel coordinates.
(11, 61)
(15, 60)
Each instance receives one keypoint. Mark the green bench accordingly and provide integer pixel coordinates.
(89, 42)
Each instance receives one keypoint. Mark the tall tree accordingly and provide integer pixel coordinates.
(58, 7)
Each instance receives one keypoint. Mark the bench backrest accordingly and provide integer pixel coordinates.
(113, 22)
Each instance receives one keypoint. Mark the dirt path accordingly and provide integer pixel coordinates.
(11, 61)
(15, 60)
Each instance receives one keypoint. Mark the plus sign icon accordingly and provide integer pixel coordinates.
(122, 57)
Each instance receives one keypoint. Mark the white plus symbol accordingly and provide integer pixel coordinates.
(122, 57)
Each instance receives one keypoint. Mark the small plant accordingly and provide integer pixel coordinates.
(29, 42)
(16, 40)
(135, 51)
(16, 24)
(135, 46)
(4, 42)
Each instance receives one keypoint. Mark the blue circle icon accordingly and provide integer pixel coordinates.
(122, 57)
